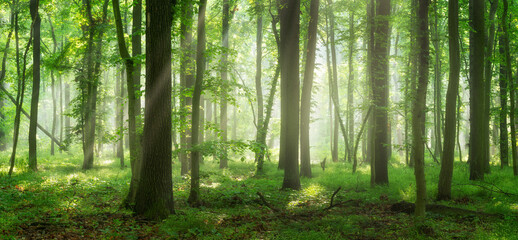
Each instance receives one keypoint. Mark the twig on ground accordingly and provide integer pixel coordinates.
(331, 205)
(499, 190)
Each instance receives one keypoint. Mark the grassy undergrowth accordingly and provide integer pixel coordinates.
(63, 202)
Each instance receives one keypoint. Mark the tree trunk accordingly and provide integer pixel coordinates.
(133, 71)
(448, 155)
(380, 90)
(334, 86)
(438, 86)
(512, 84)
(504, 141)
(194, 198)
(305, 106)
(186, 82)
(419, 111)
(488, 78)
(36, 59)
(477, 155)
(350, 86)
(119, 114)
(289, 62)
(154, 198)
(223, 160)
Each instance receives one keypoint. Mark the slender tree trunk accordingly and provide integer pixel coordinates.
(289, 62)
(477, 155)
(119, 114)
(154, 198)
(512, 84)
(223, 160)
(504, 141)
(448, 155)
(438, 85)
(36, 59)
(419, 113)
(186, 82)
(335, 78)
(488, 74)
(350, 86)
(194, 198)
(305, 106)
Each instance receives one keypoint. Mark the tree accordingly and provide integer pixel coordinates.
(186, 81)
(36, 58)
(154, 197)
(133, 70)
(223, 160)
(194, 198)
(379, 75)
(350, 86)
(419, 113)
(488, 74)
(477, 153)
(89, 79)
(446, 173)
(334, 81)
(289, 63)
(305, 105)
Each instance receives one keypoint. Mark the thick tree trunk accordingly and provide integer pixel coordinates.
(36, 59)
(194, 198)
(154, 198)
(305, 106)
(477, 154)
(380, 90)
(289, 63)
(419, 109)
(448, 155)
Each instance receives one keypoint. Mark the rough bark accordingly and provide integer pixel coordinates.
(488, 74)
(154, 198)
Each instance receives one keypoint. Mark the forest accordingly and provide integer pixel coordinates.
(258, 119)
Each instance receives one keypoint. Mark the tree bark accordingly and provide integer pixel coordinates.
(488, 74)
(477, 153)
(334, 75)
(448, 155)
(186, 82)
(194, 198)
(36, 59)
(419, 112)
(223, 159)
(380, 90)
(305, 106)
(350, 86)
(289, 63)
(154, 198)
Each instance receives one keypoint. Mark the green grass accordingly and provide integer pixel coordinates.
(61, 201)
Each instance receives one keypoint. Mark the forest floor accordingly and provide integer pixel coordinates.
(62, 202)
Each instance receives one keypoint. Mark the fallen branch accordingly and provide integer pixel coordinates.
(266, 203)
(409, 208)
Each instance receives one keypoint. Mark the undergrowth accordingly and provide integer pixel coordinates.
(63, 202)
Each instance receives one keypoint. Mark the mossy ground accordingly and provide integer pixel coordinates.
(62, 202)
